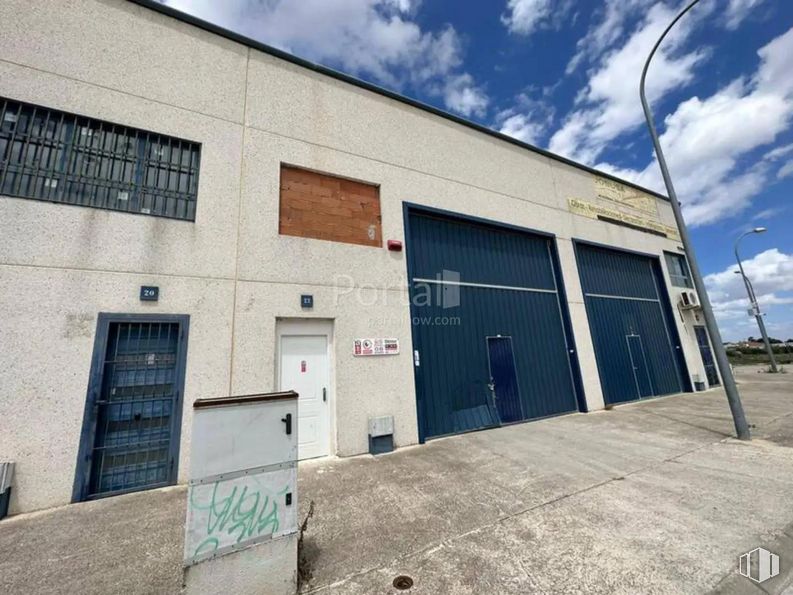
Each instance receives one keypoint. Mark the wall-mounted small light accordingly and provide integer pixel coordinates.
(394, 245)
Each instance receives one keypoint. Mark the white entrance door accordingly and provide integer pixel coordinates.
(304, 369)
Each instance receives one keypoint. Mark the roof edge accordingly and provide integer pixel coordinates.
(346, 78)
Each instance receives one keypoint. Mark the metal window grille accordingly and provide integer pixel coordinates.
(135, 421)
(678, 270)
(59, 157)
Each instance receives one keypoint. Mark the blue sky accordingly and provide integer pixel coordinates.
(563, 75)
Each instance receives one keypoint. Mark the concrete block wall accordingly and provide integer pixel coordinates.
(230, 270)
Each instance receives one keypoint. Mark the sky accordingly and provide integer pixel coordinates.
(563, 75)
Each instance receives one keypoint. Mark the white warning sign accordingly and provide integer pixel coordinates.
(375, 347)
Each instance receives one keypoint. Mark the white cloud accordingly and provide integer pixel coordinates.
(768, 213)
(608, 106)
(406, 6)
(770, 271)
(528, 119)
(377, 38)
(610, 20)
(737, 11)
(522, 128)
(785, 171)
(463, 96)
(610, 27)
(739, 306)
(771, 274)
(704, 146)
(779, 152)
(524, 16)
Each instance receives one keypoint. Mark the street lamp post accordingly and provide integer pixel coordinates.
(746, 280)
(753, 298)
(733, 398)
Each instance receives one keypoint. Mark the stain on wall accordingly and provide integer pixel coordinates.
(79, 325)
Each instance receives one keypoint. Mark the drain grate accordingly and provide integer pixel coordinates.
(402, 582)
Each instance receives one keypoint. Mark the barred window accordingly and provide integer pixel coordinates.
(678, 270)
(65, 158)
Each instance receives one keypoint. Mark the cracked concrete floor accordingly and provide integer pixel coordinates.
(651, 497)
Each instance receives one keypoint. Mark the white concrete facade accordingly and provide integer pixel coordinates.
(230, 270)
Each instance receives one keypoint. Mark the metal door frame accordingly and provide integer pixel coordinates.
(663, 299)
(573, 363)
(656, 269)
(312, 327)
(712, 357)
(514, 367)
(82, 474)
(646, 367)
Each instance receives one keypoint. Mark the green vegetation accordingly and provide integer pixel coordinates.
(742, 356)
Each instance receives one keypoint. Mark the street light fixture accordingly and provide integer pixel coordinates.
(733, 398)
(753, 298)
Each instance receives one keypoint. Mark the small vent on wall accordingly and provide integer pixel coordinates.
(381, 434)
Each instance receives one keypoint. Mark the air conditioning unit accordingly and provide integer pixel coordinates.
(688, 300)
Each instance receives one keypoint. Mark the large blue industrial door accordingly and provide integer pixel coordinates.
(471, 280)
(636, 344)
(504, 379)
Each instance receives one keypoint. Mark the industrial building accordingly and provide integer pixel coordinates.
(188, 214)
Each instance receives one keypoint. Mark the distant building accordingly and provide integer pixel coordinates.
(752, 344)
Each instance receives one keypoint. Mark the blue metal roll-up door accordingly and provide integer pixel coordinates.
(472, 285)
(636, 343)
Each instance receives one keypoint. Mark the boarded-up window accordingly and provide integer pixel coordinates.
(325, 207)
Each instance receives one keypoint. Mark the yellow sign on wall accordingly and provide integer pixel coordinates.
(593, 211)
(625, 195)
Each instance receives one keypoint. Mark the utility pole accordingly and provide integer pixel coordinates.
(733, 397)
(753, 298)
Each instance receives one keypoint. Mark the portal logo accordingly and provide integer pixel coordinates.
(759, 565)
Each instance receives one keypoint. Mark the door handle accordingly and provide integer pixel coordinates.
(288, 421)
(324, 394)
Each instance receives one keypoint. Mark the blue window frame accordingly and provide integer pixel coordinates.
(59, 157)
(677, 266)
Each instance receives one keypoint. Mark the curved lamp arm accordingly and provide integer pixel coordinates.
(749, 289)
(642, 93)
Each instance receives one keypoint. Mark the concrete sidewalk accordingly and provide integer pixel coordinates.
(652, 497)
